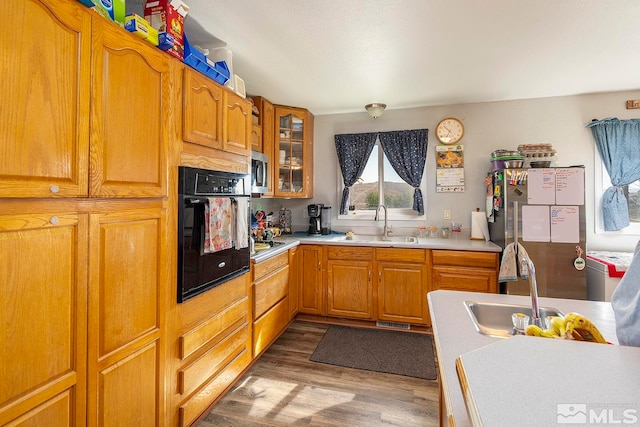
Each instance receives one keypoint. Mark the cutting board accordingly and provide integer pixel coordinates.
(533, 381)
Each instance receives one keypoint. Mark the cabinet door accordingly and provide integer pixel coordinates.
(126, 293)
(293, 153)
(293, 281)
(349, 289)
(201, 110)
(256, 138)
(267, 120)
(130, 115)
(237, 124)
(43, 298)
(311, 298)
(402, 292)
(44, 122)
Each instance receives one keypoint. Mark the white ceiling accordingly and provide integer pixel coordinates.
(335, 56)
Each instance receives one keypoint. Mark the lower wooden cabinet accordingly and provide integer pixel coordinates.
(402, 285)
(465, 270)
(311, 298)
(349, 282)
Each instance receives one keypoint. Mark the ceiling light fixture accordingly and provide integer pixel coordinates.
(375, 109)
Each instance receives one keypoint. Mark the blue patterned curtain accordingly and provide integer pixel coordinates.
(407, 153)
(353, 152)
(618, 143)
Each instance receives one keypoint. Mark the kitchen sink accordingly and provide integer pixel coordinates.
(494, 319)
(379, 238)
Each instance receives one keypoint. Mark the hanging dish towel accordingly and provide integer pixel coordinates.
(509, 268)
(241, 229)
(218, 226)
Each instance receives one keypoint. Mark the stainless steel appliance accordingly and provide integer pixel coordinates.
(325, 220)
(259, 172)
(543, 209)
(315, 222)
(199, 270)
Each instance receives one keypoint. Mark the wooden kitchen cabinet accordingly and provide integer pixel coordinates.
(465, 270)
(44, 125)
(311, 298)
(266, 122)
(256, 138)
(237, 125)
(130, 115)
(349, 282)
(127, 284)
(271, 313)
(88, 114)
(294, 284)
(402, 285)
(293, 174)
(202, 110)
(43, 300)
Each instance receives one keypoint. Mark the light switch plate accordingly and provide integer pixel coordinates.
(447, 214)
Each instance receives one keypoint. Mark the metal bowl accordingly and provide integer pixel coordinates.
(513, 164)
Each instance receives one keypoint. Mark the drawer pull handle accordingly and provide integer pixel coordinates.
(222, 264)
(54, 188)
(54, 220)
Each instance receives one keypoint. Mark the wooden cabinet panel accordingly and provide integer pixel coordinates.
(130, 115)
(128, 391)
(213, 360)
(466, 259)
(293, 134)
(464, 279)
(55, 412)
(269, 290)
(237, 124)
(311, 298)
(256, 138)
(268, 266)
(43, 300)
(126, 293)
(349, 289)
(361, 253)
(401, 254)
(294, 284)
(44, 125)
(202, 110)
(402, 292)
(269, 326)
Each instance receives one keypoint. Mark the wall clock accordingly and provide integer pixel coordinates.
(449, 131)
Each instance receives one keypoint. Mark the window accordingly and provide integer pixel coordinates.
(632, 191)
(380, 184)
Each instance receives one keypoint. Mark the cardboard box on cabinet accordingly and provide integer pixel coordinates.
(167, 16)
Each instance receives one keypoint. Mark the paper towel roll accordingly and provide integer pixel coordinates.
(479, 226)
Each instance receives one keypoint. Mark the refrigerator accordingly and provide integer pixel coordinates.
(543, 210)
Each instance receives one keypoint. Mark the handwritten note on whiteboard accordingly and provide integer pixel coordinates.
(570, 186)
(541, 187)
(565, 224)
(535, 223)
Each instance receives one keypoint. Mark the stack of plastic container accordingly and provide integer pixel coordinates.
(538, 155)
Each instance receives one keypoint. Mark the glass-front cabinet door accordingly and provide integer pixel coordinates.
(293, 156)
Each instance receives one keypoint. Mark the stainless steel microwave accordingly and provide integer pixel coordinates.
(259, 172)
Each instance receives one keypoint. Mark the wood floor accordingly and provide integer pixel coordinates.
(284, 388)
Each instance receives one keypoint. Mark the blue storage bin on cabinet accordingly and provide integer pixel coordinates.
(217, 71)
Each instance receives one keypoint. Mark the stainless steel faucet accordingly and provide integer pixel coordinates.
(533, 290)
(385, 231)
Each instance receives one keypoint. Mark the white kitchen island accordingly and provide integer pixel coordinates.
(455, 335)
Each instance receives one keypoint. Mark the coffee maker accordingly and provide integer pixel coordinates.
(315, 221)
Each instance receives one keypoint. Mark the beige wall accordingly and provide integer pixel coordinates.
(488, 126)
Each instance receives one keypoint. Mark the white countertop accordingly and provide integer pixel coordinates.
(455, 335)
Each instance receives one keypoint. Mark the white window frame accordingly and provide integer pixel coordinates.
(601, 183)
(405, 214)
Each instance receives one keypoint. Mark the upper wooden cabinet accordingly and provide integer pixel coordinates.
(266, 120)
(130, 115)
(202, 110)
(44, 123)
(89, 106)
(293, 153)
(237, 125)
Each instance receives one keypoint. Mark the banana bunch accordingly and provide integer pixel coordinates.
(573, 326)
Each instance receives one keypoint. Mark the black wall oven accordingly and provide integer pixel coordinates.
(199, 268)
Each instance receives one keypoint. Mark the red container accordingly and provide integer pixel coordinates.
(167, 16)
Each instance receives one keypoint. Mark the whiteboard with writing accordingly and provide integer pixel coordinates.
(565, 224)
(541, 187)
(570, 186)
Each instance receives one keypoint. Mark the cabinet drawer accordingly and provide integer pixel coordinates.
(269, 291)
(193, 375)
(465, 259)
(350, 253)
(465, 279)
(269, 326)
(268, 266)
(400, 254)
(197, 337)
